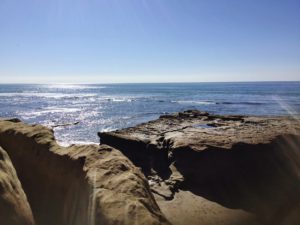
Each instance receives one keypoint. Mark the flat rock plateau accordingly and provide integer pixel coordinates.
(189, 168)
(211, 169)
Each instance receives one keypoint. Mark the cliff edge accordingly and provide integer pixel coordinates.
(235, 169)
(86, 184)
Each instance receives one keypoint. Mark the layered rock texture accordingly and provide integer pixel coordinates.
(211, 169)
(84, 185)
(14, 207)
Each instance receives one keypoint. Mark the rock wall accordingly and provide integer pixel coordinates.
(260, 178)
(87, 184)
(14, 207)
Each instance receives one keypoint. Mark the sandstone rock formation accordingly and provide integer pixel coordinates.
(14, 208)
(240, 162)
(202, 169)
(76, 185)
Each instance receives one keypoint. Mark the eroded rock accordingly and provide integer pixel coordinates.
(14, 207)
(240, 162)
(80, 184)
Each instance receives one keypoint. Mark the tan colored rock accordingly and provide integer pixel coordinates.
(77, 185)
(240, 162)
(14, 207)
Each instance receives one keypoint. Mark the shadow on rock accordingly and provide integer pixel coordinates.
(262, 179)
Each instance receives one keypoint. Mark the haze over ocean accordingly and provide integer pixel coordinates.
(113, 106)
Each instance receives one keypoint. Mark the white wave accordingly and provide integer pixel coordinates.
(68, 143)
(121, 100)
(108, 129)
(118, 99)
(194, 102)
(45, 95)
(49, 110)
(72, 86)
(59, 110)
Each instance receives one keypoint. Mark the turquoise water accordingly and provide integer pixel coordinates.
(107, 107)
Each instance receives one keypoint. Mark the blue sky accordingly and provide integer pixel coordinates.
(103, 41)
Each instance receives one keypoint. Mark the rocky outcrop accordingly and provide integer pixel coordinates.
(240, 162)
(14, 208)
(86, 184)
(202, 169)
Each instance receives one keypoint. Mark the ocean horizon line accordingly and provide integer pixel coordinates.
(120, 83)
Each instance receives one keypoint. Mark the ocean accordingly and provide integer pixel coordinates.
(104, 107)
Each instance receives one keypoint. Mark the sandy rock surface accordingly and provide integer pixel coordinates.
(14, 207)
(241, 163)
(88, 184)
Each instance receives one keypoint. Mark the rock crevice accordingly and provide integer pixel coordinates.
(80, 184)
(14, 207)
(240, 162)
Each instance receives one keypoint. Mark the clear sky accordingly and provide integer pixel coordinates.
(103, 41)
